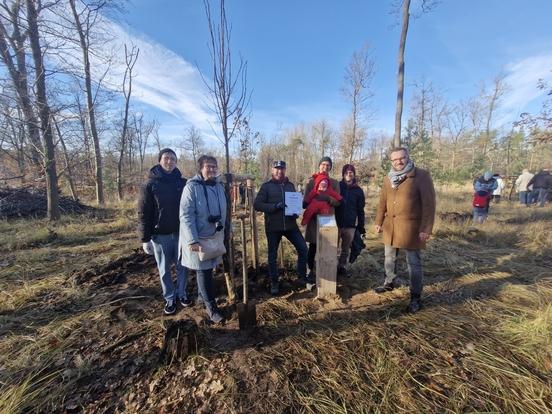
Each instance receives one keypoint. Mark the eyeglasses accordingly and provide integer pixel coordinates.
(399, 159)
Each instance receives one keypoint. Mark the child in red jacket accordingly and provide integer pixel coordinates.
(314, 207)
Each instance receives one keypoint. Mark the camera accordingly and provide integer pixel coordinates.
(216, 220)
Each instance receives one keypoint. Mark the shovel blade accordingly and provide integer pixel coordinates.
(247, 316)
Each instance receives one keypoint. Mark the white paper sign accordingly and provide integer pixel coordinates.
(327, 221)
(294, 203)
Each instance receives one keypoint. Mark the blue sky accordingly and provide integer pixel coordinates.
(297, 51)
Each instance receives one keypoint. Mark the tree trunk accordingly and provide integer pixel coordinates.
(400, 74)
(90, 107)
(44, 114)
(18, 75)
(68, 169)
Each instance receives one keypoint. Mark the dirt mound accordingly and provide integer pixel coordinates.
(115, 272)
(454, 216)
(32, 202)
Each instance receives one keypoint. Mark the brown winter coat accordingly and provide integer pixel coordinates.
(407, 210)
(310, 231)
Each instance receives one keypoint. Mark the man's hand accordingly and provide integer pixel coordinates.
(423, 236)
(194, 247)
(148, 248)
(377, 229)
(280, 205)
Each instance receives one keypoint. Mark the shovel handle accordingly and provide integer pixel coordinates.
(244, 259)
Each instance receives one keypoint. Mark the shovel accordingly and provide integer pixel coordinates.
(247, 314)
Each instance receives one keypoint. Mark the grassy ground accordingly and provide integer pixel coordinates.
(81, 326)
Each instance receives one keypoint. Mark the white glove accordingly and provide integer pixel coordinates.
(148, 248)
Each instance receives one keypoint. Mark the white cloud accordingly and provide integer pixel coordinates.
(163, 79)
(522, 77)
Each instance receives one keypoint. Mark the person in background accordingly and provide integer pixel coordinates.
(349, 214)
(159, 226)
(271, 201)
(202, 214)
(497, 193)
(542, 184)
(405, 214)
(484, 187)
(522, 187)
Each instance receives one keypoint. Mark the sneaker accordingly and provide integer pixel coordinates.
(170, 308)
(414, 306)
(274, 288)
(311, 281)
(186, 303)
(387, 287)
(216, 317)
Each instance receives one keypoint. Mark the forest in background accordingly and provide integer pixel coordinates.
(61, 127)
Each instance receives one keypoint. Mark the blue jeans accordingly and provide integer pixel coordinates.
(414, 262)
(524, 197)
(206, 290)
(296, 238)
(532, 196)
(165, 249)
(542, 193)
(480, 214)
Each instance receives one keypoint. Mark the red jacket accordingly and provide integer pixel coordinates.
(315, 206)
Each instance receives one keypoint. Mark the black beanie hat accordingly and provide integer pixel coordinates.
(164, 150)
(328, 159)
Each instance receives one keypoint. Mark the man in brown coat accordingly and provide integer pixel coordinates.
(405, 213)
(324, 167)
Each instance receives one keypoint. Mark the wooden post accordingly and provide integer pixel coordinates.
(253, 222)
(282, 253)
(326, 255)
(247, 314)
(234, 198)
(244, 257)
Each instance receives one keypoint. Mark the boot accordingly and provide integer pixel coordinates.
(415, 304)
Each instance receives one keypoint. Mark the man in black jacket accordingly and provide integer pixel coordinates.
(159, 225)
(349, 215)
(542, 184)
(271, 201)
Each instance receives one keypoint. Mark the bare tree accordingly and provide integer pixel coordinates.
(229, 95)
(83, 21)
(13, 52)
(457, 126)
(192, 143)
(490, 102)
(426, 5)
(228, 89)
(44, 114)
(68, 170)
(143, 131)
(131, 56)
(400, 72)
(356, 89)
